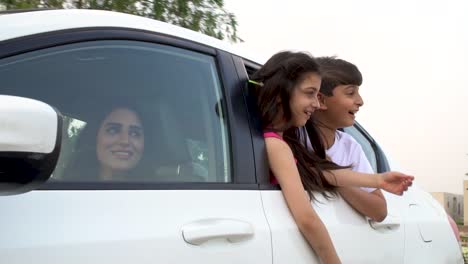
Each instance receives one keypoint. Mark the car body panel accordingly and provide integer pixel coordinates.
(128, 227)
(350, 232)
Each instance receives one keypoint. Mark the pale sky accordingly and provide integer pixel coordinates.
(414, 58)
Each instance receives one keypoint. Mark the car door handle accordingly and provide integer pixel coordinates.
(389, 222)
(201, 231)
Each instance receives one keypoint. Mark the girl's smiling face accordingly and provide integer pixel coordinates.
(304, 101)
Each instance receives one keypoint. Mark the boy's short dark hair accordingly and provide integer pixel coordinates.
(336, 72)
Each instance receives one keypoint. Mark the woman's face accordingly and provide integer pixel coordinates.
(120, 141)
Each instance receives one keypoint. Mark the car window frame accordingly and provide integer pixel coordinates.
(245, 68)
(241, 155)
(381, 159)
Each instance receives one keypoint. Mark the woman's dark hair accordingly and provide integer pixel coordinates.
(85, 166)
(336, 72)
(276, 81)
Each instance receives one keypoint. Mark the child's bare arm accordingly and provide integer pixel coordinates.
(284, 168)
(392, 181)
(370, 204)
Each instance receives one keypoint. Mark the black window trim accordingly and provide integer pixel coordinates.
(262, 171)
(242, 158)
(381, 160)
(23, 44)
(117, 186)
(241, 155)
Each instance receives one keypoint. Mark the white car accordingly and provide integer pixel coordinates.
(204, 197)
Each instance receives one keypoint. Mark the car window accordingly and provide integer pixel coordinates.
(133, 111)
(365, 144)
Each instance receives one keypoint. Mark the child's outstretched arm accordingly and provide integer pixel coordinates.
(284, 168)
(371, 204)
(391, 181)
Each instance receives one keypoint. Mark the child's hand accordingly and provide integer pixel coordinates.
(395, 182)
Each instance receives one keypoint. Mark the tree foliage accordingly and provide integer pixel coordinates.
(206, 16)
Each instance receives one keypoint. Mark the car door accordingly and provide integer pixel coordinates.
(356, 238)
(190, 196)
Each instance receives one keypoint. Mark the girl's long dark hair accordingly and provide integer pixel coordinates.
(275, 83)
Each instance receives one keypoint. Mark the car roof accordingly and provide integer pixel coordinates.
(20, 24)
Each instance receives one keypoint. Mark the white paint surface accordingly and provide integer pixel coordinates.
(27, 125)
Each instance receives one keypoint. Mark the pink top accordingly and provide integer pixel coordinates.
(273, 135)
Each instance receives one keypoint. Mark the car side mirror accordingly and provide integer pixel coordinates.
(30, 138)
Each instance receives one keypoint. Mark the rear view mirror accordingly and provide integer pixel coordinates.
(30, 137)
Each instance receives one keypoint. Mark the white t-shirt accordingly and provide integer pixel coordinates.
(347, 151)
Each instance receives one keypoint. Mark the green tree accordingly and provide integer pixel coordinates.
(206, 16)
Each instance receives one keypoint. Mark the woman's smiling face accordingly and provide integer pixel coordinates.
(120, 141)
